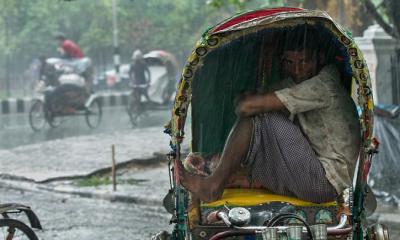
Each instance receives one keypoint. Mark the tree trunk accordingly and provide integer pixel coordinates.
(393, 8)
(371, 9)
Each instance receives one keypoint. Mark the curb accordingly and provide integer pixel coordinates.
(157, 158)
(23, 184)
(113, 197)
(22, 105)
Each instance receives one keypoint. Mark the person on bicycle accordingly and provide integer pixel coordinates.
(139, 75)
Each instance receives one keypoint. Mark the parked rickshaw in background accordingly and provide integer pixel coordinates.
(225, 63)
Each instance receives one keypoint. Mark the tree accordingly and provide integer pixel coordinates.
(348, 12)
(27, 29)
(387, 14)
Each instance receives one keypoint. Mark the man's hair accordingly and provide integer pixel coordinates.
(311, 38)
(59, 36)
(301, 37)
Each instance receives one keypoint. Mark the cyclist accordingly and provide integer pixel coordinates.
(139, 74)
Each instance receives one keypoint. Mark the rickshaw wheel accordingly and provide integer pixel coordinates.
(135, 108)
(52, 120)
(37, 117)
(93, 114)
(11, 228)
(133, 115)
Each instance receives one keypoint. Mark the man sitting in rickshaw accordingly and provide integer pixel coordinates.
(299, 139)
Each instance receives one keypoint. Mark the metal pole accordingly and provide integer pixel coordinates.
(7, 63)
(113, 169)
(115, 40)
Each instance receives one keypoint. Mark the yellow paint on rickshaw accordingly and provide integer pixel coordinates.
(370, 104)
(194, 217)
(252, 197)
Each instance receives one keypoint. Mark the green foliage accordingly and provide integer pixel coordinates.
(27, 28)
(97, 180)
(244, 5)
(93, 181)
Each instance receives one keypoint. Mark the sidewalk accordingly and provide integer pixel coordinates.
(82, 165)
(141, 182)
(80, 156)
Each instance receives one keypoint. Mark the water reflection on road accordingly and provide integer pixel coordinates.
(65, 217)
(15, 130)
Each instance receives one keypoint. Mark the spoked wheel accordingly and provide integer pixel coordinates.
(37, 115)
(11, 229)
(52, 120)
(135, 110)
(93, 114)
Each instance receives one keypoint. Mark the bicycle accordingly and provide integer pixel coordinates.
(11, 228)
(136, 107)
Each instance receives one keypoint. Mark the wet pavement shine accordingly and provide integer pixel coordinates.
(66, 217)
(45, 171)
(73, 150)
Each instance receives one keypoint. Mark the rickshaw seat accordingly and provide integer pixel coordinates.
(251, 197)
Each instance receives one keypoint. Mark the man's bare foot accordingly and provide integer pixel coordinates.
(205, 188)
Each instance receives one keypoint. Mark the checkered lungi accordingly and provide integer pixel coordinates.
(282, 160)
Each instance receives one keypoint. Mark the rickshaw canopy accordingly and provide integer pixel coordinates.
(225, 63)
(246, 53)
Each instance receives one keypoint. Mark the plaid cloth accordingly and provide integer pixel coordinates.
(282, 160)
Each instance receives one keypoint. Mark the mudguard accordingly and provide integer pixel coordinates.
(8, 208)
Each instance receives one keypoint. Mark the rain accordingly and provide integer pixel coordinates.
(95, 105)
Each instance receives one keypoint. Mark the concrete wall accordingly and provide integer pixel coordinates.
(378, 47)
(22, 105)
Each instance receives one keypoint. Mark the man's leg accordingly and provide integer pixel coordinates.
(236, 147)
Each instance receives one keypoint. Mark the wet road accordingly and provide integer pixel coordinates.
(65, 217)
(15, 130)
(70, 217)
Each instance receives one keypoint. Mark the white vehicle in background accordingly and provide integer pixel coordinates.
(164, 75)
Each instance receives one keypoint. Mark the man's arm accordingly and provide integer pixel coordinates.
(252, 104)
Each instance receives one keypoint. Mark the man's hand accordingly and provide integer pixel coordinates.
(250, 104)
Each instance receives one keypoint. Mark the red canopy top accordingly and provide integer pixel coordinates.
(252, 15)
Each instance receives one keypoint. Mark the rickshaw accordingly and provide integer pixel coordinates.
(63, 91)
(160, 87)
(167, 81)
(222, 65)
(13, 228)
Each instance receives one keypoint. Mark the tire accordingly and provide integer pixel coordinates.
(52, 120)
(19, 230)
(50, 117)
(93, 114)
(134, 109)
(37, 115)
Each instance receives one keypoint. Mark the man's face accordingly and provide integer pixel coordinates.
(300, 65)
